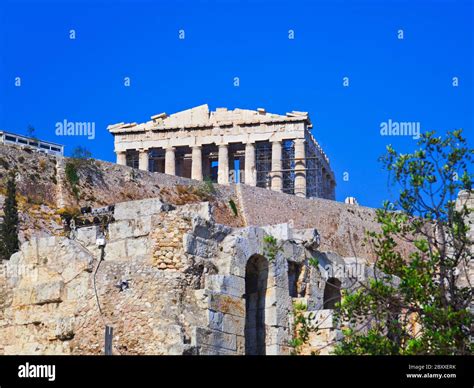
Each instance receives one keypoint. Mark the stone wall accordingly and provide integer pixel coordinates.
(172, 281)
(342, 226)
(51, 307)
(43, 188)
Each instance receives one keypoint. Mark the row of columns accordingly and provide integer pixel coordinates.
(223, 167)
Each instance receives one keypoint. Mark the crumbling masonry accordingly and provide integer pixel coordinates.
(172, 282)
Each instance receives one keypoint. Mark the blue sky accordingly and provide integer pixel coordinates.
(408, 79)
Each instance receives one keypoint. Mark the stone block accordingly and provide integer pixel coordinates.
(279, 231)
(136, 209)
(207, 337)
(198, 246)
(121, 229)
(116, 251)
(138, 249)
(48, 292)
(64, 328)
(310, 238)
(240, 344)
(274, 296)
(231, 285)
(87, 236)
(276, 335)
(142, 226)
(23, 296)
(227, 304)
(202, 210)
(272, 350)
(214, 351)
(77, 289)
(226, 323)
(169, 339)
(277, 315)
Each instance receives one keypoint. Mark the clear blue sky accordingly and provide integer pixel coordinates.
(389, 78)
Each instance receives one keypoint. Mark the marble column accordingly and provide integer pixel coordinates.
(300, 168)
(223, 165)
(250, 167)
(196, 166)
(170, 161)
(143, 159)
(277, 178)
(122, 158)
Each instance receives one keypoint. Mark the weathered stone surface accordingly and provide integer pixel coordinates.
(158, 292)
(226, 323)
(48, 292)
(198, 246)
(138, 249)
(309, 238)
(87, 236)
(145, 207)
(226, 284)
(116, 251)
(214, 338)
(226, 304)
(321, 319)
(121, 229)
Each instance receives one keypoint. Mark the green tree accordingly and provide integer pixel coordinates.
(9, 243)
(81, 153)
(31, 131)
(415, 304)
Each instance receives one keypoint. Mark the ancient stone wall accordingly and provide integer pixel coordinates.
(101, 183)
(171, 281)
(342, 227)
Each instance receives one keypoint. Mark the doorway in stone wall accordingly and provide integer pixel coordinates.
(256, 279)
(332, 293)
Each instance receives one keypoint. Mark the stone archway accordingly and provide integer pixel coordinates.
(332, 293)
(256, 279)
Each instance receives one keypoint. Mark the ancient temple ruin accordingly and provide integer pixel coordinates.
(230, 146)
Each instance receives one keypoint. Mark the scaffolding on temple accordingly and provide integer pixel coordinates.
(317, 171)
(263, 158)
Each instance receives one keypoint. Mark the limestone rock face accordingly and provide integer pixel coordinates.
(170, 280)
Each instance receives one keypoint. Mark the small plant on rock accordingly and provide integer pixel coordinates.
(302, 327)
(271, 247)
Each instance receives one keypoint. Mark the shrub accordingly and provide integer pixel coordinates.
(69, 212)
(72, 177)
(42, 164)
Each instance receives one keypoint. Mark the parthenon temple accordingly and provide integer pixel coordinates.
(256, 148)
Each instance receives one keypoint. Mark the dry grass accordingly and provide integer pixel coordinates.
(181, 195)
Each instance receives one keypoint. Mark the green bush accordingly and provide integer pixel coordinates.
(72, 177)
